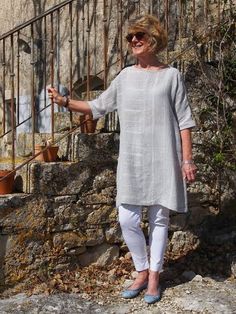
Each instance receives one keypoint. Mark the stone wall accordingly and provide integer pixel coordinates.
(68, 217)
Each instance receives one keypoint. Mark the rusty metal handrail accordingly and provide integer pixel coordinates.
(44, 149)
(106, 61)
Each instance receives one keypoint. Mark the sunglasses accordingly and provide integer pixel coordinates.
(138, 35)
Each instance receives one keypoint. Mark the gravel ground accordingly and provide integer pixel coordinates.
(199, 295)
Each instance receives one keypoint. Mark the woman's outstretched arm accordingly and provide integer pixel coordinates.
(64, 101)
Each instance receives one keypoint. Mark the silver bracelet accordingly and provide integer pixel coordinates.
(187, 162)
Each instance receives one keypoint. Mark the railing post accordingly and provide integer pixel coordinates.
(52, 73)
(120, 29)
(167, 25)
(58, 49)
(12, 74)
(45, 61)
(4, 85)
(18, 80)
(71, 62)
(105, 35)
(88, 52)
(32, 62)
(83, 43)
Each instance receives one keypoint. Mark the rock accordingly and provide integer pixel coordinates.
(94, 237)
(108, 256)
(104, 145)
(13, 201)
(178, 222)
(77, 251)
(59, 178)
(105, 179)
(114, 235)
(181, 243)
(233, 265)
(100, 214)
(199, 298)
(102, 256)
(198, 278)
(68, 240)
(106, 196)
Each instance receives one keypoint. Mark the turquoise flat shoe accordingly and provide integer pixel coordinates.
(133, 293)
(151, 299)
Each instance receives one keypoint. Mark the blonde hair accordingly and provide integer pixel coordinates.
(150, 25)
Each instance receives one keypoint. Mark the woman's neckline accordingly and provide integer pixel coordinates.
(150, 70)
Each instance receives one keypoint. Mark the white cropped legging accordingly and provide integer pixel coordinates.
(130, 219)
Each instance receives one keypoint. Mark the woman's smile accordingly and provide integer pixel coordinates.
(139, 46)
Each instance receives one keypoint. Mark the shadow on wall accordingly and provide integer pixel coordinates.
(3, 245)
(213, 240)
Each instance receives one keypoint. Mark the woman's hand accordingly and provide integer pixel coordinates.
(189, 171)
(56, 97)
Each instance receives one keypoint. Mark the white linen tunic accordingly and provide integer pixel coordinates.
(152, 108)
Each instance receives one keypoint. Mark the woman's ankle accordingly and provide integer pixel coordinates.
(143, 274)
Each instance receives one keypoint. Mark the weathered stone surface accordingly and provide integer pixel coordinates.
(182, 242)
(13, 201)
(233, 265)
(100, 214)
(106, 196)
(22, 214)
(62, 121)
(208, 296)
(178, 221)
(59, 178)
(105, 179)
(114, 235)
(67, 178)
(103, 255)
(101, 147)
(24, 249)
(94, 237)
(68, 240)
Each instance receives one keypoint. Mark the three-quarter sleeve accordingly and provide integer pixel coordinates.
(182, 108)
(106, 102)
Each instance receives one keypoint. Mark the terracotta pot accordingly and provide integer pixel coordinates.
(89, 126)
(52, 153)
(43, 155)
(6, 185)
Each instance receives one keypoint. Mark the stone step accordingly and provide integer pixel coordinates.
(91, 153)
(62, 125)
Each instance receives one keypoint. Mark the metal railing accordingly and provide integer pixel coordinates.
(79, 41)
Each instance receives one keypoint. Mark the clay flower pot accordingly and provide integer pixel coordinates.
(43, 155)
(48, 155)
(89, 126)
(52, 153)
(6, 185)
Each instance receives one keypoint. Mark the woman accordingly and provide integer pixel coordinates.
(155, 156)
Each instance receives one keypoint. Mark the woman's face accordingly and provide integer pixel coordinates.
(139, 44)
